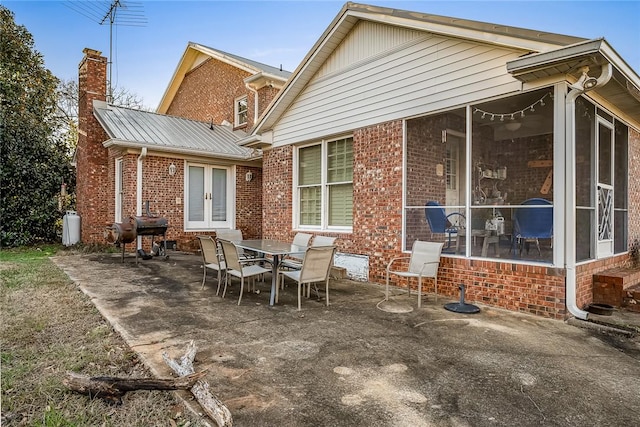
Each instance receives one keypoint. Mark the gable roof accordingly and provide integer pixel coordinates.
(528, 41)
(131, 128)
(192, 57)
(351, 13)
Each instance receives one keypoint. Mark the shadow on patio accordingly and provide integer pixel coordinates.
(353, 364)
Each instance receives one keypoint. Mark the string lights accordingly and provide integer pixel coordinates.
(515, 114)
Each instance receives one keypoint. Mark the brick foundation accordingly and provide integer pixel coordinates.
(618, 287)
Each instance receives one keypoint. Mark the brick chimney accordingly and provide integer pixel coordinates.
(92, 179)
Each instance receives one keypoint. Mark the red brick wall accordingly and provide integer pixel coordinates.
(377, 229)
(166, 196)
(584, 277)
(533, 289)
(377, 191)
(277, 169)
(92, 188)
(249, 202)
(377, 194)
(265, 96)
(209, 92)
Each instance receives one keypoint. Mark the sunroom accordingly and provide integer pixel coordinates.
(494, 180)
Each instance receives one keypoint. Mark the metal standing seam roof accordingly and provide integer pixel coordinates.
(126, 126)
(254, 64)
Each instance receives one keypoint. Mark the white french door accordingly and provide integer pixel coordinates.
(209, 197)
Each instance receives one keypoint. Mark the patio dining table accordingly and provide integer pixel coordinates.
(277, 250)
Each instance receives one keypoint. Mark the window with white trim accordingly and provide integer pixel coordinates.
(240, 109)
(208, 197)
(324, 196)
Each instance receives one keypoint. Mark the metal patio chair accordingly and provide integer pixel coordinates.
(294, 261)
(532, 224)
(441, 223)
(238, 268)
(423, 262)
(316, 266)
(211, 259)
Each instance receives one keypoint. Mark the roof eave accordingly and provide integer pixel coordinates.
(254, 141)
(113, 142)
(570, 60)
(586, 49)
(262, 79)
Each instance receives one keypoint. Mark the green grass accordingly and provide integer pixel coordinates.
(49, 327)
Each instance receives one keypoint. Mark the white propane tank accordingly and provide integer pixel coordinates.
(70, 228)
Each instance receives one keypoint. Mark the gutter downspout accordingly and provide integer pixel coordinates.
(255, 103)
(577, 89)
(143, 154)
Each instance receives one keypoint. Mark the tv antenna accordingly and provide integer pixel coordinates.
(114, 12)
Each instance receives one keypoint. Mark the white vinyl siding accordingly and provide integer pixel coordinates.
(366, 40)
(421, 75)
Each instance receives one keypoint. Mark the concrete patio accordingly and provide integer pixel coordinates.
(361, 362)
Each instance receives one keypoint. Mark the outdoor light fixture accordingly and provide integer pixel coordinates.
(248, 176)
(585, 82)
(172, 169)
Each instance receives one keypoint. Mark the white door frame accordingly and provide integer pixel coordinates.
(604, 194)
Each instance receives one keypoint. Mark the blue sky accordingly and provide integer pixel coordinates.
(276, 32)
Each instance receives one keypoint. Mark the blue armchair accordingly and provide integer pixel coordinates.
(441, 223)
(532, 224)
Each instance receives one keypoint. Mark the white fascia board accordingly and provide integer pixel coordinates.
(620, 64)
(174, 150)
(597, 46)
(506, 40)
(249, 140)
(224, 58)
(175, 81)
(545, 59)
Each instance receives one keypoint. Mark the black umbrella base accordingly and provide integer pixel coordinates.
(462, 308)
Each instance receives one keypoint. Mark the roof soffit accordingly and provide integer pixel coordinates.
(622, 91)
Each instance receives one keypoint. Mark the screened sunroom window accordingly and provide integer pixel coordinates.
(602, 158)
(512, 181)
(503, 169)
(435, 179)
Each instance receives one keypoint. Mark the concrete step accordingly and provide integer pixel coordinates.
(618, 287)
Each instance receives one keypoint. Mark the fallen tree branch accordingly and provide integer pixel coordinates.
(113, 388)
(211, 405)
